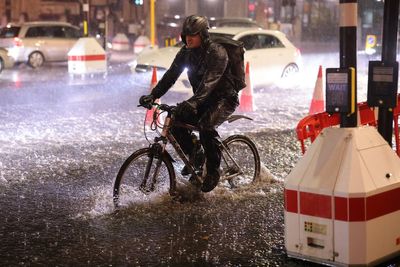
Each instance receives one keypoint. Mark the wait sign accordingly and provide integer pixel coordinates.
(340, 90)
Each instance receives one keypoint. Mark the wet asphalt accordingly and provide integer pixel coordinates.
(62, 141)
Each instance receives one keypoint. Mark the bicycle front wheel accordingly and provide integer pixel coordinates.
(241, 161)
(142, 176)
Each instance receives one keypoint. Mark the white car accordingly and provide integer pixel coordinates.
(233, 22)
(37, 42)
(271, 56)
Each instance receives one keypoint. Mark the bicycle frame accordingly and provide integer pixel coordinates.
(166, 137)
(158, 149)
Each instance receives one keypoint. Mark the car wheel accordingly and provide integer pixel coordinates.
(1, 64)
(36, 60)
(289, 71)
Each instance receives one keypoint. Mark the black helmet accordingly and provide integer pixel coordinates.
(193, 25)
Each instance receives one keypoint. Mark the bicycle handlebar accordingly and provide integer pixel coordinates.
(163, 107)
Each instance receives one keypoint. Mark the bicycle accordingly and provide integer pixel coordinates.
(149, 171)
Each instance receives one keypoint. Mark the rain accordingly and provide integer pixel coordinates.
(64, 137)
(63, 140)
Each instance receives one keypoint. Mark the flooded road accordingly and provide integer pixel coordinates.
(62, 141)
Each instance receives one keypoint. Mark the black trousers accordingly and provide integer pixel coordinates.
(208, 118)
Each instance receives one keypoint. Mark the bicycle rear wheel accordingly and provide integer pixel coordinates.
(138, 180)
(241, 162)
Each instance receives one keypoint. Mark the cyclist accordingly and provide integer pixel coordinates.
(214, 95)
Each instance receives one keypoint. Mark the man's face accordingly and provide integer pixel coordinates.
(193, 41)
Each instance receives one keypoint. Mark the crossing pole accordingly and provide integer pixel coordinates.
(85, 9)
(389, 48)
(348, 49)
(152, 23)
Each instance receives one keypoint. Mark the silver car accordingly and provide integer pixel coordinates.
(5, 60)
(37, 42)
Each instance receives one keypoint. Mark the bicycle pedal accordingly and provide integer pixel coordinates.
(195, 182)
(146, 190)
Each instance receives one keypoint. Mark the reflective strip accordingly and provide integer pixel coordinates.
(348, 15)
(120, 42)
(291, 200)
(350, 209)
(87, 58)
(316, 205)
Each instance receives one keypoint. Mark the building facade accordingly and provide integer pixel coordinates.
(299, 19)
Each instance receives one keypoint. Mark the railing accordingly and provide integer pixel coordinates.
(310, 126)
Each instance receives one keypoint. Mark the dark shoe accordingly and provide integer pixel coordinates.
(185, 171)
(210, 182)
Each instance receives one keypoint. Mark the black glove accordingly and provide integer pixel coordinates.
(185, 109)
(146, 101)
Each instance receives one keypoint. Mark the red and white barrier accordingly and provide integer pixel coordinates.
(87, 56)
(310, 126)
(120, 42)
(341, 200)
(141, 43)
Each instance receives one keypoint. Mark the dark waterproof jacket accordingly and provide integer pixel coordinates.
(207, 71)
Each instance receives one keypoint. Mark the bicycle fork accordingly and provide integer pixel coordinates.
(156, 151)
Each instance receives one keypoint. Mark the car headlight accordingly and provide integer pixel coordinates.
(132, 64)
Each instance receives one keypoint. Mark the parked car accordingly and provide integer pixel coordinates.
(271, 56)
(37, 42)
(170, 26)
(5, 60)
(233, 22)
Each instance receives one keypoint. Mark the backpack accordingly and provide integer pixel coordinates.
(235, 50)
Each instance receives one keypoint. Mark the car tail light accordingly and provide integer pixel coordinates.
(18, 42)
(297, 53)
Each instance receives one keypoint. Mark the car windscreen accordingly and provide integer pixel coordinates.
(212, 35)
(216, 35)
(179, 44)
(9, 32)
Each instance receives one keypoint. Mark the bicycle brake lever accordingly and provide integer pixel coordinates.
(145, 106)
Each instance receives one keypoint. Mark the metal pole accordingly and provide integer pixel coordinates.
(85, 18)
(348, 49)
(389, 48)
(8, 11)
(152, 23)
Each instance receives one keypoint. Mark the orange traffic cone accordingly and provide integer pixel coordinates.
(150, 112)
(317, 102)
(246, 98)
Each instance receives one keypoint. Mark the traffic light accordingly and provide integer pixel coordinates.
(252, 8)
(137, 2)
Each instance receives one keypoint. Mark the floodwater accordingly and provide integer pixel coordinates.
(62, 141)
